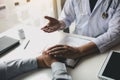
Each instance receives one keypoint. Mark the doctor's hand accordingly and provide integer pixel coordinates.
(52, 26)
(64, 51)
(45, 60)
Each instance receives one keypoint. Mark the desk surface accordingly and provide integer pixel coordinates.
(87, 69)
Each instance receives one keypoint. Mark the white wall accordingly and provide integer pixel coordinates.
(31, 13)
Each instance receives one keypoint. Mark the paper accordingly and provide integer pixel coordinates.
(74, 41)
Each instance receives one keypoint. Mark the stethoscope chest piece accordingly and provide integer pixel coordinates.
(104, 15)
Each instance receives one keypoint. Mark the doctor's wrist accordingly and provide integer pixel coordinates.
(62, 25)
(87, 49)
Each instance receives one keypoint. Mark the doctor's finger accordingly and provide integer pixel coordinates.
(50, 18)
(55, 47)
(58, 53)
(48, 30)
(45, 27)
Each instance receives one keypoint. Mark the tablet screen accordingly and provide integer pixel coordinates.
(112, 69)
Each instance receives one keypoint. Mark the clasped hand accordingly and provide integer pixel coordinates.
(53, 54)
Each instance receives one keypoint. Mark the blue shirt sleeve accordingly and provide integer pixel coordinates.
(3, 71)
(59, 71)
(11, 69)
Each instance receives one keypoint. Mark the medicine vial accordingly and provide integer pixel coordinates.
(21, 34)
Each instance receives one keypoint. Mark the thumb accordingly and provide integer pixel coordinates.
(50, 18)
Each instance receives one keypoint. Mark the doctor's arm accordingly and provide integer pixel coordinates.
(112, 37)
(107, 40)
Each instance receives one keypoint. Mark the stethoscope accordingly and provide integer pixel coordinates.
(105, 14)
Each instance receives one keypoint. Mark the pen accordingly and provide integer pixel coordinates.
(26, 44)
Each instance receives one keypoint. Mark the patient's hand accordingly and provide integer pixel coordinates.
(45, 60)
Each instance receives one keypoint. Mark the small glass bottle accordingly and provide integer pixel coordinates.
(21, 34)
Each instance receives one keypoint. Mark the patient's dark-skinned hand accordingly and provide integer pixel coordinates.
(45, 60)
(52, 26)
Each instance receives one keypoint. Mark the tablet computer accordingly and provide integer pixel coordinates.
(111, 67)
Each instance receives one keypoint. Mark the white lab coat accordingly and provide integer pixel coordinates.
(105, 31)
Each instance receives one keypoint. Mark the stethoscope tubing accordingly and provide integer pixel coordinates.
(110, 2)
(105, 14)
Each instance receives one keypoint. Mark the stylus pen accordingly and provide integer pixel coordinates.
(26, 44)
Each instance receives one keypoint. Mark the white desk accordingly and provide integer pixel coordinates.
(87, 69)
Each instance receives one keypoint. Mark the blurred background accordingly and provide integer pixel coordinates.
(28, 12)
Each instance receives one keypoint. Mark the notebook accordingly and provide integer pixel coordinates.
(7, 43)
